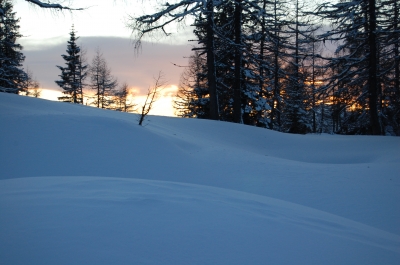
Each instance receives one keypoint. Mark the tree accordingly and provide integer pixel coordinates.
(151, 97)
(243, 68)
(238, 86)
(223, 59)
(30, 86)
(177, 12)
(122, 101)
(313, 71)
(388, 16)
(301, 31)
(12, 75)
(101, 81)
(237, 94)
(355, 69)
(82, 71)
(273, 38)
(73, 74)
(191, 100)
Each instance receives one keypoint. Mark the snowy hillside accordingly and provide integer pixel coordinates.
(79, 185)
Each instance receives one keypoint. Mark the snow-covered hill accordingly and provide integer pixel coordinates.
(79, 185)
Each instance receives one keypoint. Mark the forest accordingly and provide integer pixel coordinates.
(290, 66)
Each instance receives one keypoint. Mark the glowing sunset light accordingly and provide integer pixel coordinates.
(162, 107)
(164, 104)
(50, 94)
(45, 35)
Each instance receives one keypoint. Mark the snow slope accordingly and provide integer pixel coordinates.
(80, 185)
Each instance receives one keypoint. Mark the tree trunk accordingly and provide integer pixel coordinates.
(313, 87)
(275, 110)
(211, 74)
(396, 54)
(263, 93)
(237, 87)
(372, 78)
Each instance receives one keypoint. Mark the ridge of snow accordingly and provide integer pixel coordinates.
(188, 191)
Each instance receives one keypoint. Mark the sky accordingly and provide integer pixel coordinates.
(102, 25)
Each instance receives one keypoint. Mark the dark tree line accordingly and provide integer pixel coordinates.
(265, 63)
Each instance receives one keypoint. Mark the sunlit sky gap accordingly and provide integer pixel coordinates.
(102, 25)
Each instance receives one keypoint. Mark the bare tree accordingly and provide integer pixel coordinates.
(122, 101)
(152, 95)
(30, 86)
(101, 80)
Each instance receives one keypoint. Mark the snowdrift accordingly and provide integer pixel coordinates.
(79, 185)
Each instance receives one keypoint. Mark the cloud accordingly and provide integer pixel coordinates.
(137, 69)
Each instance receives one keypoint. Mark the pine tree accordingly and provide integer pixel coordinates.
(12, 75)
(73, 74)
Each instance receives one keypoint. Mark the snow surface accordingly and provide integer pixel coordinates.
(79, 185)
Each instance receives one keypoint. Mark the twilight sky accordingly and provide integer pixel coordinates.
(101, 25)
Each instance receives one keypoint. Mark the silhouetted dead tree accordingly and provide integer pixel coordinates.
(152, 96)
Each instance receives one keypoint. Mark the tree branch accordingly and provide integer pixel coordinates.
(51, 6)
(152, 96)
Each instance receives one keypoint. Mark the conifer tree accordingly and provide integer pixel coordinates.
(11, 58)
(73, 74)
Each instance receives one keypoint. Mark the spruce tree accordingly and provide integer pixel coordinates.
(73, 74)
(11, 58)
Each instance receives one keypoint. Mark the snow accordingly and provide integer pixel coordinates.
(80, 185)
